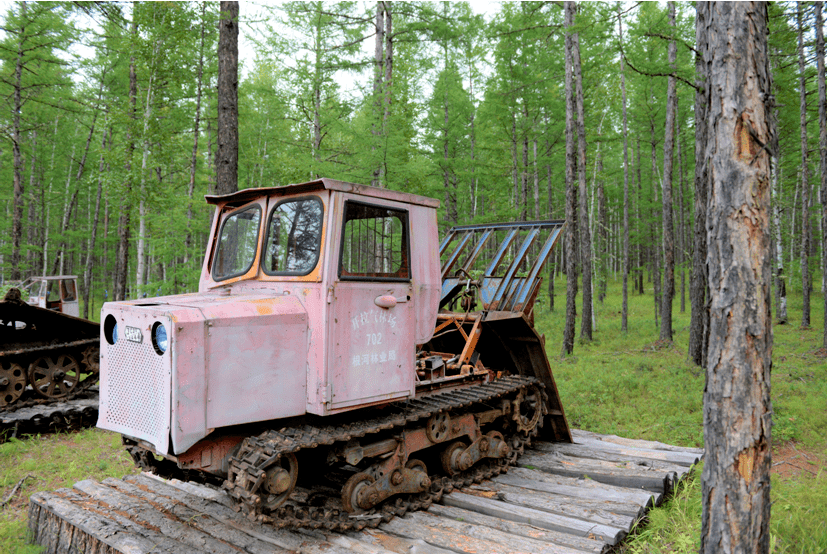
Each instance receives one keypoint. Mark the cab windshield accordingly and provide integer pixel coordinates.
(237, 244)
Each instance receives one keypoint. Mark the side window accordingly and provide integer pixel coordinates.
(68, 289)
(294, 236)
(374, 243)
(237, 244)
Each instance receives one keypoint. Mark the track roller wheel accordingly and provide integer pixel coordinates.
(439, 425)
(350, 492)
(279, 482)
(12, 382)
(54, 376)
(417, 465)
(450, 457)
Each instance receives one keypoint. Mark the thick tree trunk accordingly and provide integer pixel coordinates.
(805, 177)
(586, 319)
(624, 313)
(698, 287)
(737, 407)
(226, 154)
(668, 291)
(822, 147)
(571, 228)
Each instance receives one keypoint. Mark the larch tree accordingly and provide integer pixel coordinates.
(624, 313)
(571, 204)
(732, 40)
(226, 154)
(668, 228)
(804, 246)
(822, 147)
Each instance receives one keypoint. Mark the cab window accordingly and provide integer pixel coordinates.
(237, 243)
(294, 236)
(374, 243)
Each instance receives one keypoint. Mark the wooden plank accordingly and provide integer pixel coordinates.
(282, 538)
(468, 537)
(620, 475)
(538, 518)
(579, 488)
(636, 443)
(680, 458)
(522, 529)
(82, 525)
(401, 545)
(521, 488)
(173, 519)
(574, 454)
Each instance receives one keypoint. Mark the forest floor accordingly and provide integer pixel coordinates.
(630, 385)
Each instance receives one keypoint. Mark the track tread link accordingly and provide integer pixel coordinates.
(247, 469)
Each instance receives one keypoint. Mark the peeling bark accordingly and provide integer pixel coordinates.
(737, 410)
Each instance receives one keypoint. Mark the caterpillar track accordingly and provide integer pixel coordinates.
(520, 402)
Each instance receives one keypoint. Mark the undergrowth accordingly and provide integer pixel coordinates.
(628, 384)
(632, 385)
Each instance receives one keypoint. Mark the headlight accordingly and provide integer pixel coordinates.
(110, 329)
(160, 339)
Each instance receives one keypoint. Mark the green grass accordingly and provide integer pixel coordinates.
(628, 385)
(54, 462)
(624, 384)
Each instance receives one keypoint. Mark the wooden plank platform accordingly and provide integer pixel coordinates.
(561, 499)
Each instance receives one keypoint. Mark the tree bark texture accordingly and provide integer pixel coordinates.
(737, 407)
(805, 177)
(624, 313)
(668, 291)
(571, 224)
(698, 286)
(226, 153)
(822, 147)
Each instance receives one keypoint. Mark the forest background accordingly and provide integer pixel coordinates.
(109, 115)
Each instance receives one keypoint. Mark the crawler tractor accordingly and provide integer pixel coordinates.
(338, 365)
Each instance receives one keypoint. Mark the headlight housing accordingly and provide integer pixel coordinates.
(160, 338)
(110, 329)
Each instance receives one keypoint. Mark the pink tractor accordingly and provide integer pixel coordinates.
(330, 371)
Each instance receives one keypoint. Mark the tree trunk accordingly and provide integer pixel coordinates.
(586, 319)
(17, 211)
(668, 291)
(378, 61)
(87, 272)
(195, 134)
(226, 154)
(122, 255)
(656, 274)
(805, 178)
(822, 147)
(571, 272)
(737, 407)
(624, 313)
(698, 286)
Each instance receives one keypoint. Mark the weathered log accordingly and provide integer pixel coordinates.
(582, 488)
(538, 518)
(635, 443)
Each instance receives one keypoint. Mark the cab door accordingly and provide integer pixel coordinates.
(371, 328)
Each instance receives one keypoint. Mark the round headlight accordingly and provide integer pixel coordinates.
(160, 339)
(110, 329)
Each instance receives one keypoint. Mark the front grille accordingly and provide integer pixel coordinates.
(138, 391)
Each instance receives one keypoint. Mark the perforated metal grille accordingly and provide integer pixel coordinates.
(138, 390)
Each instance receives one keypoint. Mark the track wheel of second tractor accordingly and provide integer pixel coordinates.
(12, 382)
(54, 376)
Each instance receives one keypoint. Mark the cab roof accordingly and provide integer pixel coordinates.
(247, 195)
